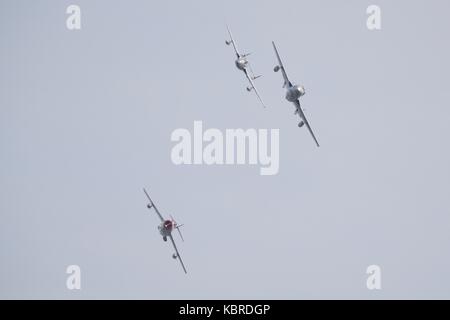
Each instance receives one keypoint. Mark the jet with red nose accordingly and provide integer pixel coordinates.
(166, 227)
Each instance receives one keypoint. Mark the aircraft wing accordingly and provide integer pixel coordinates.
(280, 64)
(302, 116)
(234, 44)
(177, 253)
(153, 206)
(253, 86)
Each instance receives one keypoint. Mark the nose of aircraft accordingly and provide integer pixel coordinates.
(168, 224)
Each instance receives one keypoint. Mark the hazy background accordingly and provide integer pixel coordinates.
(85, 123)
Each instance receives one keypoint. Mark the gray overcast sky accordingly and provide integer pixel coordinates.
(85, 123)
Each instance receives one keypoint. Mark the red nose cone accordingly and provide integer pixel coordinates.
(168, 224)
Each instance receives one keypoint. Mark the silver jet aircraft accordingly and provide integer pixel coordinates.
(293, 93)
(165, 229)
(243, 64)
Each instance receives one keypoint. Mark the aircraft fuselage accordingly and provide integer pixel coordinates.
(241, 63)
(165, 228)
(294, 92)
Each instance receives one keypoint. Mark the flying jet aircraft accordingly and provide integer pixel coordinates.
(165, 229)
(293, 93)
(243, 64)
